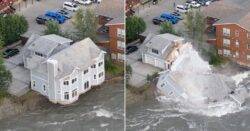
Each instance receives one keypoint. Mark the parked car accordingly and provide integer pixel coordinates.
(155, 2)
(181, 9)
(96, 1)
(171, 18)
(193, 4)
(65, 13)
(70, 6)
(55, 15)
(83, 2)
(158, 20)
(10, 52)
(131, 49)
(177, 15)
(42, 19)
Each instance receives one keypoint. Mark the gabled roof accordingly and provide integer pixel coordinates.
(79, 55)
(162, 41)
(46, 44)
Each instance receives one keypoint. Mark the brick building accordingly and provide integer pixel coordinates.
(111, 21)
(5, 5)
(232, 30)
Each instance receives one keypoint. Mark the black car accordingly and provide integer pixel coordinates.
(42, 19)
(10, 52)
(131, 49)
(158, 20)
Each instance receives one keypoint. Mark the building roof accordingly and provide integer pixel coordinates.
(230, 11)
(162, 41)
(46, 44)
(114, 10)
(79, 55)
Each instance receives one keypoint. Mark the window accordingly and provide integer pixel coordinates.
(220, 52)
(237, 43)
(86, 85)
(226, 32)
(85, 71)
(66, 83)
(100, 64)
(226, 52)
(39, 54)
(237, 54)
(74, 80)
(226, 42)
(94, 76)
(120, 32)
(248, 46)
(66, 95)
(113, 56)
(237, 33)
(120, 45)
(248, 57)
(155, 51)
(120, 56)
(93, 66)
(248, 35)
(34, 83)
(74, 93)
(100, 74)
(44, 88)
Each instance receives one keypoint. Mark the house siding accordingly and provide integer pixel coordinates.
(239, 34)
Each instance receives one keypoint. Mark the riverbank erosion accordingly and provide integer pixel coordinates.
(11, 106)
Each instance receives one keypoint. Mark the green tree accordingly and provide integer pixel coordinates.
(12, 27)
(134, 26)
(5, 75)
(195, 25)
(85, 23)
(52, 27)
(167, 27)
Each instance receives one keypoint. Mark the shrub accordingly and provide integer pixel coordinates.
(52, 27)
(113, 68)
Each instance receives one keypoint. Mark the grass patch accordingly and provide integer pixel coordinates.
(113, 68)
(3, 94)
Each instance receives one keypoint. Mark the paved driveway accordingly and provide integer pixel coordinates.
(20, 75)
(139, 70)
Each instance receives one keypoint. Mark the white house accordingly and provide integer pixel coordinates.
(161, 50)
(60, 70)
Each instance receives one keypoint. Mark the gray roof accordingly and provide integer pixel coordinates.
(79, 55)
(161, 41)
(113, 9)
(46, 44)
(230, 11)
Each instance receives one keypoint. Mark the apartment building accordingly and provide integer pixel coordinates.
(232, 35)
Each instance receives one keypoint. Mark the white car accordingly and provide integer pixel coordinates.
(181, 9)
(83, 2)
(70, 6)
(193, 4)
(208, 3)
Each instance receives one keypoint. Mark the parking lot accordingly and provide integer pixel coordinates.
(39, 8)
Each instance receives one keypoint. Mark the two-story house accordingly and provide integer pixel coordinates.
(161, 50)
(60, 70)
(232, 35)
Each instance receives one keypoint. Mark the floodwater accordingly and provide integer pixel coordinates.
(163, 114)
(101, 109)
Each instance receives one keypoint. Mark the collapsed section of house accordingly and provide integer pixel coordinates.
(191, 79)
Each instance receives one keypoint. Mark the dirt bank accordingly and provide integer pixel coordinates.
(11, 106)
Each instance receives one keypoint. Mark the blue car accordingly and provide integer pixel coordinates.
(57, 16)
(171, 18)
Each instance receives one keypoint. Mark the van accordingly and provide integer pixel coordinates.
(70, 6)
(181, 8)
